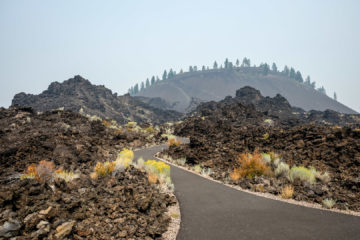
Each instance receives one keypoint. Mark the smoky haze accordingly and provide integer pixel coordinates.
(120, 43)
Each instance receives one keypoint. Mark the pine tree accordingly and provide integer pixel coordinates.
(322, 90)
(298, 77)
(308, 81)
(292, 73)
(131, 91)
(313, 85)
(181, 71)
(136, 89)
(226, 63)
(142, 86)
(157, 79)
(152, 80)
(164, 77)
(274, 67)
(237, 62)
(195, 68)
(191, 69)
(335, 96)
(147, 83)
(246, 62)
(215, 65)
(203, 68)
(266, 69)
(171, 73)
(286, 71)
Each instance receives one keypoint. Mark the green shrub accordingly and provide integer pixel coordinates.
(282, 170)
(251, 165)
(266, 157)
(206, 172)
(303, 174)
(328, 203)
(181, 161)
(197, 168)
(140, 163)
(325, 177)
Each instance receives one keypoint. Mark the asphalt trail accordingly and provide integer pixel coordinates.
(210, 210)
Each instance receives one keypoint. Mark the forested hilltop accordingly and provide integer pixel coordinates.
(181, 89)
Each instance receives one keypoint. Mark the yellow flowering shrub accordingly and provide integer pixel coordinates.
(103, 169)
(157, 167)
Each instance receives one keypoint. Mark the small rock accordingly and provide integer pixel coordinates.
(122, 234)
(42, 224)
(58, 222)
(119, 220)
(64, 229)
(46, 211)
(10, 228)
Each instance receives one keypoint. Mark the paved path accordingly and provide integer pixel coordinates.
(213, 211)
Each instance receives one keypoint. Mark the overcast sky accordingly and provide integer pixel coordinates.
(120, 43)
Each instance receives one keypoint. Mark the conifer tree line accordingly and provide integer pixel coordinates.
(264, 68)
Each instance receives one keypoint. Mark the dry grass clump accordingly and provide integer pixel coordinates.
(251, 165)
(198, 168)
(107, 123)
(152, 178)
(181, 161)
(302, 173)
(157, 167)
(174, 142)
(324, 178)
(149, 129)
(30, 172)
(266, 136)
(235, 175)
(103, 169)
(140, 163)
(45, 171)
(282, 170)
(66, 175)
(206, 172)
(123, 160)
(159, 172)
(287, 192)
(328, 203)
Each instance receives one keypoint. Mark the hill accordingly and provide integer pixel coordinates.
(215, 84)
(78, 93)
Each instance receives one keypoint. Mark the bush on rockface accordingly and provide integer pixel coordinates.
(45, 171)
(174, 142)
(287, 192)
(251, 165)
(303, 174)
(159, 172)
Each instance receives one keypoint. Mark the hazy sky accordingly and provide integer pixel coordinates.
(120, 43)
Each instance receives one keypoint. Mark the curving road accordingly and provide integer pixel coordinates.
(210, 210)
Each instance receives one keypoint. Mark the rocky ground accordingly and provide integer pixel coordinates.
(220, 132)
(118, 206)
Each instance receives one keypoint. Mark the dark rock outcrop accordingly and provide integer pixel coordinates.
(78, 93)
